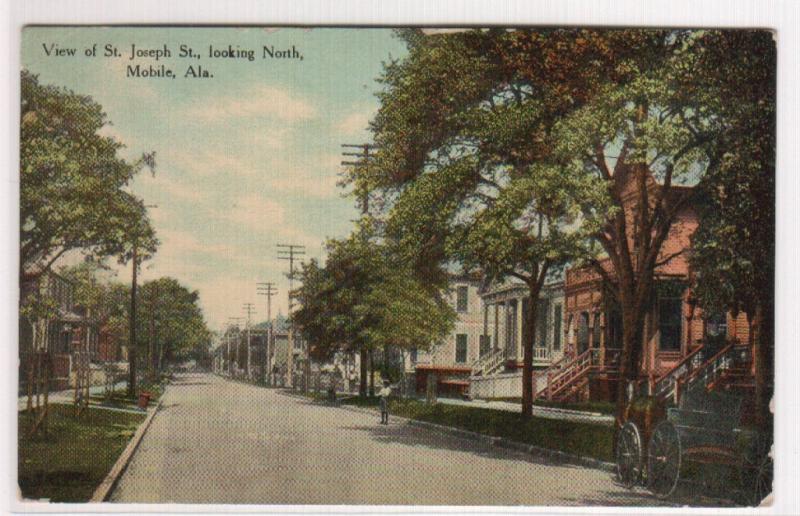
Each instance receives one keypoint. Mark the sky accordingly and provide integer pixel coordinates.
(246, 159)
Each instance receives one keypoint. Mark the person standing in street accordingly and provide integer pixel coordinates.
(383, 394)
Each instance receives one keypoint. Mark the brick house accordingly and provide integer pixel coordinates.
(675, 328)
(57, 335)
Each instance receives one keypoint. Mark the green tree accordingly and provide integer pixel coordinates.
(465, 171)
(733, 250)
(630, 116)
(72, 181)
(647, 140)
(170, 323)
(365, 299)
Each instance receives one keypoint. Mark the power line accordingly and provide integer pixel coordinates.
(232, 321)
(249, 308)
(267, 289)
(290, 252)
(365, 156)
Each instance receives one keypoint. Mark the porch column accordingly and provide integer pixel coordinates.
(496, 326)
(520, 321)
(502, 327)
(603, 326)
(485, 327)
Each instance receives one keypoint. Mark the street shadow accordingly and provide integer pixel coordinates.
(421, 437)
(685, 495)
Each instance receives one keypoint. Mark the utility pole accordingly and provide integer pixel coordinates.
(248, 308)
(153, 348)
(267, 289)
(290, 252)
(231, 322)
(132, 321)
(363, 159)
(132, 330)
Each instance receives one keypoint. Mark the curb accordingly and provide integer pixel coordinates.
(102, 492)
(499, 442)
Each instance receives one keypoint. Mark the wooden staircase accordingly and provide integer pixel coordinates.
(568, 377)
(728, 369)
(489, 363)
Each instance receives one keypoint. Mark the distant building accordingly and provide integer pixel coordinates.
(450, 360)
(681, 345)
(58, 334)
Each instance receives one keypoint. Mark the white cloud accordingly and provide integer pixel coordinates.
(263, 101)
(208, 163)
(254, 213)
(317, 179)
(183, 244)
(354, 123)
(178, 190)
(115, 78)
(274, 139)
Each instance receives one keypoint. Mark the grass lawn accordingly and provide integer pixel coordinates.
(120, 398)
(603, 407)
(70, 462)
(577, 438)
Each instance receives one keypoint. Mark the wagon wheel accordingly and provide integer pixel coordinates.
(629, 455)
(663, 460)
(756, 471)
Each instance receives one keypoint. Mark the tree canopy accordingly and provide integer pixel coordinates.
(512, 151)
(72, 181)
(363, 298)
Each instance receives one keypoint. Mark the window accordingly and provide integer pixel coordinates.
(462, 294)
(614, 330)
(669, 323)
(557, 327)
(583, 332)
(596, 331)
(485, 344)
(716, 330)
(413, 355)
(461, 348)
(541, 323)
(716, 324)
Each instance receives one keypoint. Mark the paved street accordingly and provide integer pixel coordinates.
(226, 442)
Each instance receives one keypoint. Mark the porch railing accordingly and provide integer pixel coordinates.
(567, 371)
(541, 354)
(488, 362)
(710, 371)
(664, 387)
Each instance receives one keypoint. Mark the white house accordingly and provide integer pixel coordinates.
(450, 360)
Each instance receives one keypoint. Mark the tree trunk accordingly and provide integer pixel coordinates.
(132, 339)
(371, 375)
(763, 336)
(632, 333)
(527, 351)
(362, 380)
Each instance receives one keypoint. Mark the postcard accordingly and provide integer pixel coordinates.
(372, 266)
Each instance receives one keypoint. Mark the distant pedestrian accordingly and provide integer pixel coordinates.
(383, 394)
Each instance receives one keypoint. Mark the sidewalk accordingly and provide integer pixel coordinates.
(68, 395)
(578, 416)
(546, 412)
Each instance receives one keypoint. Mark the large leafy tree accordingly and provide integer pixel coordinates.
(648, 141)
(170, 323)
(468, 169)
(364, 298)
(628, 115)
(733, 250)
(72, 181)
